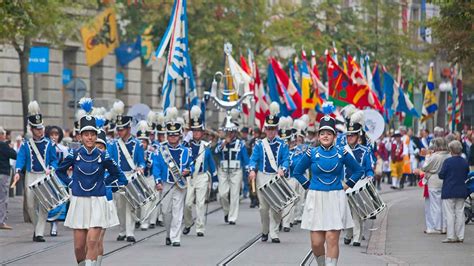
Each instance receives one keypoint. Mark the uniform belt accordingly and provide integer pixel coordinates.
(230, 164)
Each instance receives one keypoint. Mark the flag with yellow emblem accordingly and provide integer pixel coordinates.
(100, 37)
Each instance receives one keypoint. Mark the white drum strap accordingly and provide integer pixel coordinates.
(268, 151)
(37, 153)
(126, 154)
(199, 159)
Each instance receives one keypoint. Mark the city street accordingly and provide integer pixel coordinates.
(393, 239)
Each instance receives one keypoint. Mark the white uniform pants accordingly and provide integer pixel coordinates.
(428, 219)
(454, 211)
(36, 211)
(356, 232)
(299, 205)
(124, 212)
(289, 211)
(173, 205)
(229, 184)
(436, 209)
(197, 192)
(147, 208)
(270, 219)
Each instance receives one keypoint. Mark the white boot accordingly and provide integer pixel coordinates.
(88, 263)
(331, 261)
(99, 260)
(321, 260)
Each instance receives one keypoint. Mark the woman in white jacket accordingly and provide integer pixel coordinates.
(431, 167)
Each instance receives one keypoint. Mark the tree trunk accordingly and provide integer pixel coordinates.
(24, 55)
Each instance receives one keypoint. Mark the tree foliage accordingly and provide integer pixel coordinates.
(453, 33)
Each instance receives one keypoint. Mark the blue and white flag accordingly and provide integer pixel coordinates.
(178, 63)
(396, 99)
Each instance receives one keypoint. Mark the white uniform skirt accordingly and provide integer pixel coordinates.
(326, 210)
(88, 212)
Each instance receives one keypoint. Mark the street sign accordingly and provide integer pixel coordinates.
(77, 88)
(67, 76)
(119, 81)
(39, 60)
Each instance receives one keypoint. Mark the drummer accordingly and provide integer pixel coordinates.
(269, 158)
(363, 157)
(129, 155)
(30, 158)
(326, 209)
(88, 210)
(204, 173)
(171, 179)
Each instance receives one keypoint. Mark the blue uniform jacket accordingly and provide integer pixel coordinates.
(260, 162)
(208, 164)
(327, 168)
(135, 149)
(182, 156)
(26, 157)
(89, 172)
(364, 158)
(235, 150)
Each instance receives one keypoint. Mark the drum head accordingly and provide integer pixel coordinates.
(360, 184)
(39, 181)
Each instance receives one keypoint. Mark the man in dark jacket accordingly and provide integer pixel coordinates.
(6, 153)
(454, 173)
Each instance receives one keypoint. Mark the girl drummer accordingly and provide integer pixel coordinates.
(88, 209)
(326, 209)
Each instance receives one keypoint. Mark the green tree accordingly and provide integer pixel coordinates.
(453, 35)
(23, 22)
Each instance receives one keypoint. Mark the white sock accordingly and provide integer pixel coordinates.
(331, 261)
(321, 260)
(99, 260)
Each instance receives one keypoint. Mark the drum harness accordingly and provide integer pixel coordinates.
(273, 165)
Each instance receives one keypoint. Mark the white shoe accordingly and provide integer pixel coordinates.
(82, 263)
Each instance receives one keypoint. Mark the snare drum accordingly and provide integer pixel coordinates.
(278, 193)
(49, 191)
(364, 199)
(138, 192)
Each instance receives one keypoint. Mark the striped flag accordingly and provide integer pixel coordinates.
(458, 104)
(260, 98)
(430, 102)
(178, 64)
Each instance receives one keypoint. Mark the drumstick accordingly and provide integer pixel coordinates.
(252, 183)
(13, 184)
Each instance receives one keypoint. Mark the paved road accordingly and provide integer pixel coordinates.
(395, 238)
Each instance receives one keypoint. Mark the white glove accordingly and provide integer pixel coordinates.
(215, 185)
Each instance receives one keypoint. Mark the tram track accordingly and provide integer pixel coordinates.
(232, 256)
(107, 254)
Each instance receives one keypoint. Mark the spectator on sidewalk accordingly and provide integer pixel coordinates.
(454, 173)
(431, 168)
(6, 153)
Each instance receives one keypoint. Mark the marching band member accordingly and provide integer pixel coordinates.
(297, 150)
(129, 155)
(326, 209)
(269, 157)
(55, 134)
(199, 180)
(38, 157)
(156, 215)
(143, 134)
(362, 155)
(172, 163)
(233, 160)
(88, 211)
(112, 217)
(285, 132)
